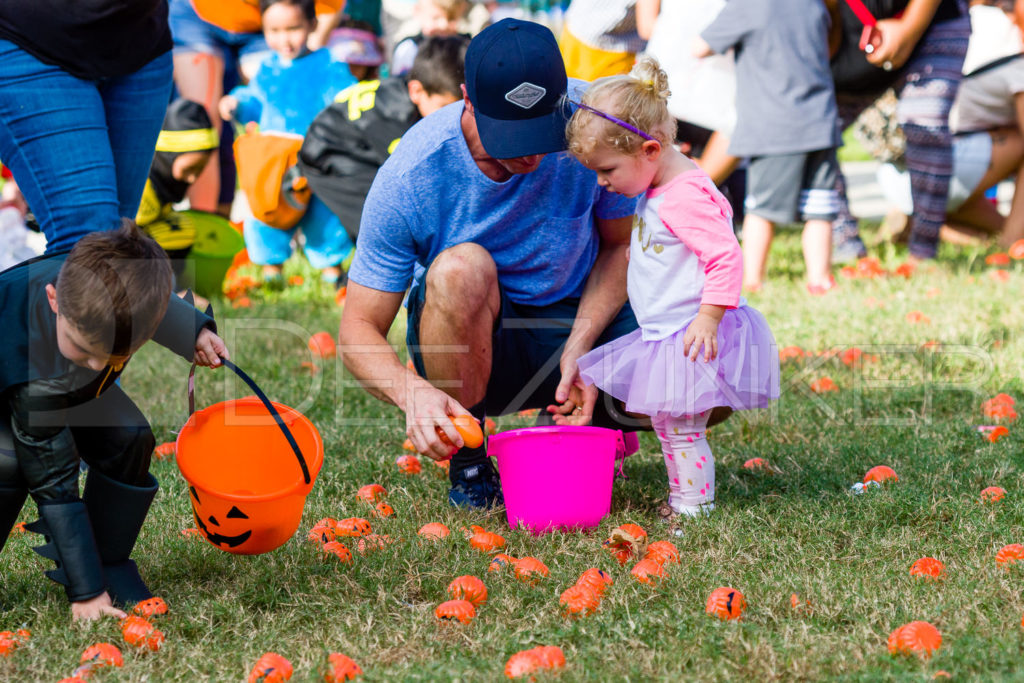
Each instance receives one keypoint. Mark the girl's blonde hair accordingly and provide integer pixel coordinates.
(639, 98)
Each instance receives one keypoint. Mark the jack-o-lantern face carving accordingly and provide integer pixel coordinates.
(211, 526)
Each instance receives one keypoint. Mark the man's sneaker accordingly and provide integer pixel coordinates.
(477, 486)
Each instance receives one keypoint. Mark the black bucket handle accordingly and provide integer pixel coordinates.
(262, 397)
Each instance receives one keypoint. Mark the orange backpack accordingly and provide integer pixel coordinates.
(277, 191)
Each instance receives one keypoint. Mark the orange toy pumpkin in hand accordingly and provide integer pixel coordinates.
(579, 600)
(530, 570)
(648, 571)
(917, 637)
(434, 531)
(456, 610)
(596, 580)
(271, 668)
(371, 493)
(468, 588)
(927, 567)
(341, 668)
(467, 427)
(726, 603)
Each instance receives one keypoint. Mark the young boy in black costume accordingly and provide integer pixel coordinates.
(71, 323)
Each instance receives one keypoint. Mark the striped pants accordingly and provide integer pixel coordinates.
(926, 91)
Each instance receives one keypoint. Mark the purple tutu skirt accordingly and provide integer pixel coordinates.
(656, 377)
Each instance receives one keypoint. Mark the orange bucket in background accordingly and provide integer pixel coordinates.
(249, 471)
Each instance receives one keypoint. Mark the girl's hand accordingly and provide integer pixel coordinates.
(94, 608)
(210, 349)
(227, 107)
(703, 331)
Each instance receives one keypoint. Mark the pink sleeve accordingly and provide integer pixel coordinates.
(697, 213)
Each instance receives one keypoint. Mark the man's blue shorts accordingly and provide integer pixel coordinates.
(527, 345)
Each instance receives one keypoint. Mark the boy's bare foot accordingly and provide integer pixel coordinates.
(94, 608)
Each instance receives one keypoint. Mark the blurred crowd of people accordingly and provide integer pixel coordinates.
(321, 90)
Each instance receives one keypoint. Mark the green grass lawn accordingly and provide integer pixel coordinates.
(797, 529)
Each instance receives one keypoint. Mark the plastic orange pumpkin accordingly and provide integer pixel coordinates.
(468, 588)
(490, 426)
(790, 352)
(726, 603)
(140, 633)
(522, 663)
(917, 637)
(323, 531)
(663, 552)
(151, 607)
(755, 464)
(322, 345)
(596, 580)
(992, 494)
(409, 464)
(434, 530)
(11, 641)
(73, 679)
(881, 474)
(485, 541)
(824, 385)
(102, 654)
(407, 446)
(999, 258)
(271, 668)
(354, 526)
(456, 610)
(164, 450)
(530, 570)
(648, 571)
(1016, 250)
(371, 493)
(927, 567)
(994, 433)
(383, 509)
(1010, 554)
(579, 600)
(530, 661)
(341, 668)
(626, 541)
(500, 562)
(467, 427)
(339, 550)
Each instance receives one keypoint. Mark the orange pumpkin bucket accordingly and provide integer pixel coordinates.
(239, 458)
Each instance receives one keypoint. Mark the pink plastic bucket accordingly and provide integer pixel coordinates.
(557, 477)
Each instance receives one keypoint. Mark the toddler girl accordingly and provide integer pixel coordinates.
(284, 96)
(699, 346)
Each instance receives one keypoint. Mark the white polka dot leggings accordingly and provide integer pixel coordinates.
(688, 459)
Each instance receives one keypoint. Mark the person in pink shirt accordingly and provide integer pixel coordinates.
(699, 346)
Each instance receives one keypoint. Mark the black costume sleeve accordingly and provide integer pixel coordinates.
(181, 326)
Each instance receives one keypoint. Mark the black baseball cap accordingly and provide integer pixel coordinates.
(515, 78)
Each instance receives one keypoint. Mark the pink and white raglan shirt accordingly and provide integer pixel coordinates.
(682, 254)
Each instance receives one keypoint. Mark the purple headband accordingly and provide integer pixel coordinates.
(617, 121)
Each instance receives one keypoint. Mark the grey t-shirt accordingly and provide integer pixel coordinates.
(785, 100)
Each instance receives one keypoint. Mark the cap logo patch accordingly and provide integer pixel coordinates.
(525, 95)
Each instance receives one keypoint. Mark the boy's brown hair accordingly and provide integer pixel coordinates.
(114, 287)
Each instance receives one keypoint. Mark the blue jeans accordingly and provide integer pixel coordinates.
(79, 150)
(193, 34)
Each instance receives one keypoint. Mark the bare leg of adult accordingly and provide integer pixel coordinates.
(757, 239)
(816, 241)
(976, 218)
(716, 161)
(462, 303)
(1013, 227)
(200, 77)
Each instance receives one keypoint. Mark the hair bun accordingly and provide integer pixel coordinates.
(648, 71)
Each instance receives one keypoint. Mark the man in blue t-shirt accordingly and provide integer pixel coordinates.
(515, 256)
